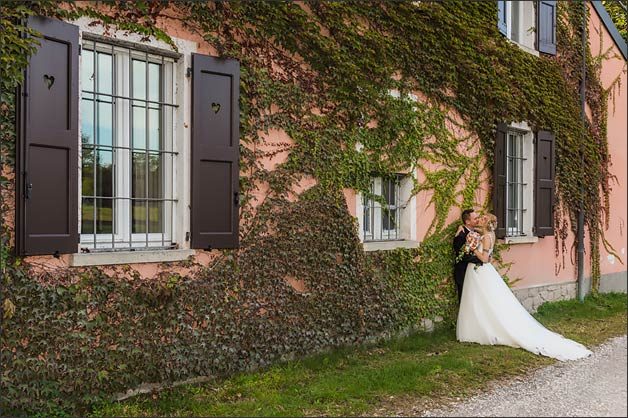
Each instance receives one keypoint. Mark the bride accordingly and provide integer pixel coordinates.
(491, 314)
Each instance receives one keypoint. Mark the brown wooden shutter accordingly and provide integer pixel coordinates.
(544, 185)
(546, 26)
(499, 180)
(47, 216)
(215, 152)
(501, 17)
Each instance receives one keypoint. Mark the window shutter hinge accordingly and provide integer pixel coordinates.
(80, 49)
(187, 236)
(188, 72)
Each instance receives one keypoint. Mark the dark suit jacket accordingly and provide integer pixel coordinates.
(460, 267)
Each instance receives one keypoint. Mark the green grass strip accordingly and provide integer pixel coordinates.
(354, 381)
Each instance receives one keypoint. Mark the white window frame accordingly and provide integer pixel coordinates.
(376, 211)
(407, 207)
(508, 7)
(526, 19)
(181, 145)
(407, 217)
(527, 177)
(124, 238)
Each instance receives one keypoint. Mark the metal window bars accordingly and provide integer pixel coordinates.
(515, 184)
(381, 216)
(130, 202)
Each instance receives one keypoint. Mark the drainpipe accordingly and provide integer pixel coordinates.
(581, 290)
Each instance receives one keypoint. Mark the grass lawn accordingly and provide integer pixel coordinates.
(356, 381)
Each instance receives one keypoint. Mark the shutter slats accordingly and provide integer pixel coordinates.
(499, 180)
(47, 216)
(546, 26)
(215, 152)
(544, 184)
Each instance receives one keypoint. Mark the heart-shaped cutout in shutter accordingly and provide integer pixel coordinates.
(216, 107)
(49, 80)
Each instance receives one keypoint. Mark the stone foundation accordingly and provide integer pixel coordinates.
(533, 297)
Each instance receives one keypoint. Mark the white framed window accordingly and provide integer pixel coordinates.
(127, 114)
(517, 21)
(519, 180)
(388, 221)
(381, 218)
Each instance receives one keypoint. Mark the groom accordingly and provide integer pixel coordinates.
(470, 220)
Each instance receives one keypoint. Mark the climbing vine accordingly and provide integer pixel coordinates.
(324, 73)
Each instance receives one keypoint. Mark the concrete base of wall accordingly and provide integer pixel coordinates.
(533, 297)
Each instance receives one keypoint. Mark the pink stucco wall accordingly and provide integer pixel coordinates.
(536, 263)
(533, 263)
(614, 67)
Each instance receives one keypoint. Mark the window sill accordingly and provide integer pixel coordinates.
(526, 48)
(389, 245)
(128, 257)
(521, 240)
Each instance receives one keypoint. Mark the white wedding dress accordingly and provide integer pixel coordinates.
(490, 314)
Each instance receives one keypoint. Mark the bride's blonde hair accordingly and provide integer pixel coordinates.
(490, 223)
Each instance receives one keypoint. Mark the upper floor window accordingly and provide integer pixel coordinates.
(127, 121)
(532, 25)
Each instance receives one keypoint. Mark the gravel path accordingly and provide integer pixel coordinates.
(595, 386)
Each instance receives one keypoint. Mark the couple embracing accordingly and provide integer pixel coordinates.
(489, 312)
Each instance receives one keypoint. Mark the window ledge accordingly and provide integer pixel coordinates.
(389, 245)
(128, 257)
(521, 240)
(526, 48)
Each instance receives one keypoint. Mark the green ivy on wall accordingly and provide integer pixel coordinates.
(322, 72)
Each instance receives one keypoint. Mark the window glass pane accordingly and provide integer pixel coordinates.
(386, 191)
(514, 19)
(105, 123)
(142, 127)
(87, 172)
(138, 175)
(155, 176)
(139, 217)
(87, 216)
(389, 219)
(367, 215)
(511, 220)
(509, 169)
(87, 121)
(511, 200)
(139, 79)
(104, 173)
(154, 82)
(154, 131)
(87, 70)
(139, 126)
(104, 216)
(105, 73)
(155, 216)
